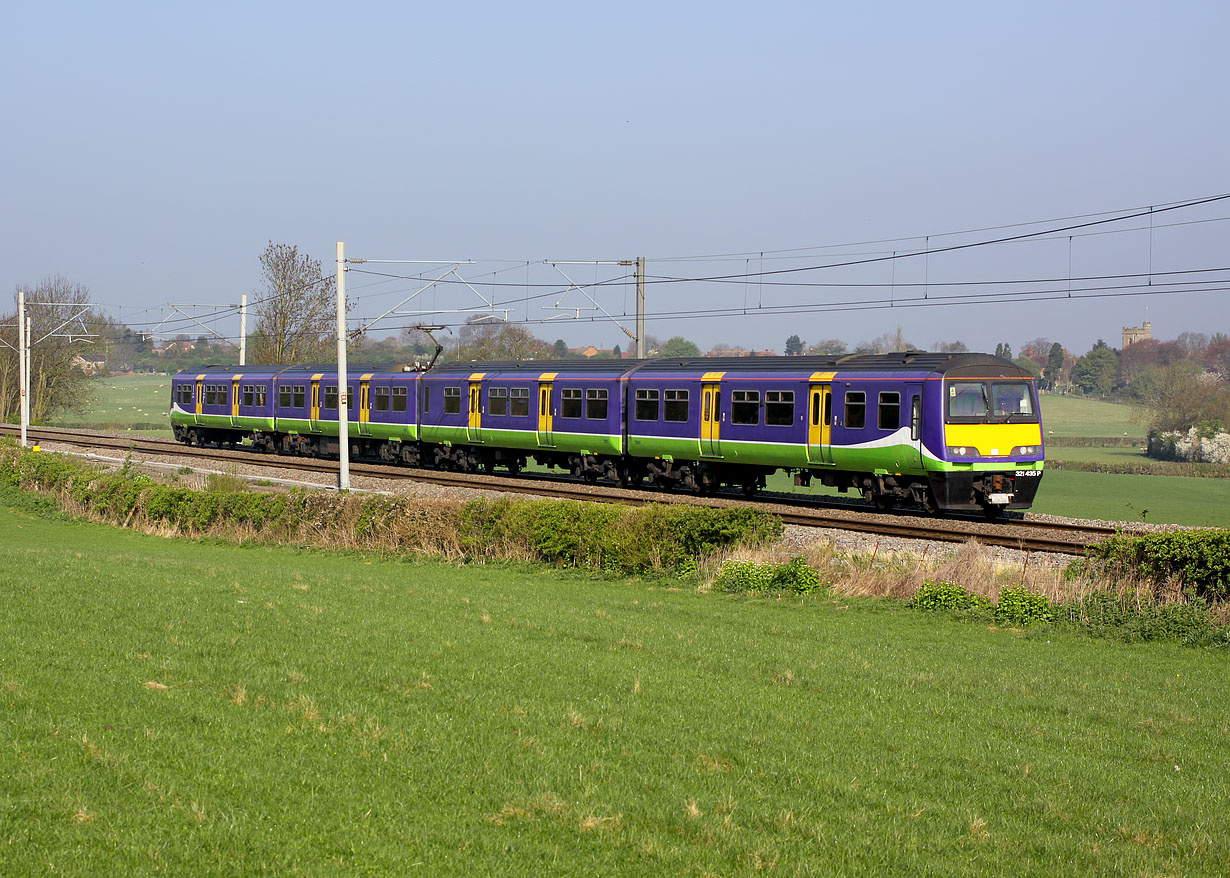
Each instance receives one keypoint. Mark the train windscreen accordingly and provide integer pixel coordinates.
(991, 402)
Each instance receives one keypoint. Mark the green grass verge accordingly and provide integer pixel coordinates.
(1074, 416)
(326, 713)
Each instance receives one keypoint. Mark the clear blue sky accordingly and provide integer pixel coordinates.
(152, 149)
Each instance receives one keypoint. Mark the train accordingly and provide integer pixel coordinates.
(947, 432)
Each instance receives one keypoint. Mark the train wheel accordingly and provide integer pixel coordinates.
(929, 504)
(883, 502)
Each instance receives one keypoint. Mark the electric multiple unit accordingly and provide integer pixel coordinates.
(948, 432)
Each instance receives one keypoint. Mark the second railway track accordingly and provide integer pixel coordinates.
(1023, 534)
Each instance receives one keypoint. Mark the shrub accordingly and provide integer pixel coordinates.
(944, 594)
(795, 575)
(1123, 617)
(1020, 606)
(1198, 559)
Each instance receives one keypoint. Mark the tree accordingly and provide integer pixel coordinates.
(501, 341)
(616, 353)
(1054, 365)
(296, 309)
(55, 383)
(1028, 365)
(1004, 350)
(1096, 371)
(680, 347)
(951, 347)
(559, 350)
(794, 346)
(829, 347)
(1038, 350)
(1189, 398)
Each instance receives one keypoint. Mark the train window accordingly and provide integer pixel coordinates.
(647, 405)
(209, 394)
(890, 410)
(426, 397)
(223, 393)
(298, 396)
(595, 403)
(520, 407)
(497, 401)
(745, 407)
(182, 398)
(815, 409)
(261, 394)
(675, 405)
(330, 398)
(399, 399)
(248, 394)
(779, 408)
(380, 397)
(856, 409)
(284, 396)
(452, 400)
(570, 402)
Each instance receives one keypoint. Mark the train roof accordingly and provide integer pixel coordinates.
(925, 362)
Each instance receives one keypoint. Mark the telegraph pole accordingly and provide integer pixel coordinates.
(640, 307)
(343, 397)
(22, 341)
(243, 330)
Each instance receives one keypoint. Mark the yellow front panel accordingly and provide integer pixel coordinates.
(993, 440)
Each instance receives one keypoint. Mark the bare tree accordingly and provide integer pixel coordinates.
(56, 383)
(296, 310)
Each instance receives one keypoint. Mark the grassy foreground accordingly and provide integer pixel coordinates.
(191, 707)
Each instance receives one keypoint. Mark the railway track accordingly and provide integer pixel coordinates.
(1022, 534)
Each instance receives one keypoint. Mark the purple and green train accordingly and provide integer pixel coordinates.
(944, 431)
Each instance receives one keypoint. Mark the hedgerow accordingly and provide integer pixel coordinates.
(618, 539)
(1199, 560)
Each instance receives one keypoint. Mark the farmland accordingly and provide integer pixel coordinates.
(173, 705)
(1077, 417)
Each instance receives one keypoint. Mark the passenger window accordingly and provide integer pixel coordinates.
(298, 395)
(381, 398)
(426, 397)
(779, 408)
(745, 407)
(570, 402)
(452, 400)
(399, 399)
(520, 402)
(497, 401)
(890, 410)
(675, 405)
(284, 396)
(330, 398)
(595, 404)
(647, 405)
(856, 409)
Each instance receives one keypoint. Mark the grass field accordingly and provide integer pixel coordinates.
(122, 402)
(1075, 416)
(1157, 499)
(191, 707)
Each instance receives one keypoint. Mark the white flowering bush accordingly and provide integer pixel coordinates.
(1192, 446)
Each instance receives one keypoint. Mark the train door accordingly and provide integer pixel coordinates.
(199, 396)
(365, 405)
(820, 419)
(314, 405)
(546, 435)
(235, 399)
(474, 427)
(710, 419)
(913, 393)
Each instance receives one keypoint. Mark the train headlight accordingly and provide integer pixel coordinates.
(1025, 450)
(962, 451)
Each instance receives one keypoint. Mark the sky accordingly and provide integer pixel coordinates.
(153, 150)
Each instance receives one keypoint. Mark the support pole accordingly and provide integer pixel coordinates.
(640, 307)
(343, 396)
(23, 410)
(243, 330)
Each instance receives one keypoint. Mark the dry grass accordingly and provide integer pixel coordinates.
(975, 567)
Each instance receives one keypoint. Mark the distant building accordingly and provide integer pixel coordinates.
(1133, 334)
(734, 352)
